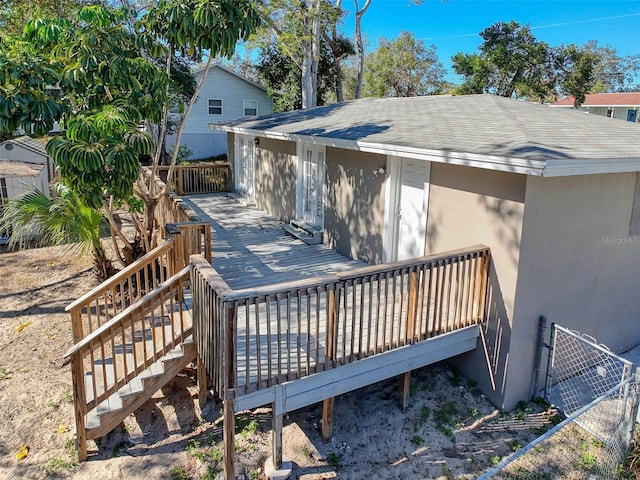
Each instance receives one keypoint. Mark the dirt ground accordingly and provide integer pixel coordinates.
(450, 430)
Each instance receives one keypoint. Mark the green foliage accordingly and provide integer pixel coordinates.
(177, 473)
(417, 440)
(513, 63)
(334, 459)
(403, 67)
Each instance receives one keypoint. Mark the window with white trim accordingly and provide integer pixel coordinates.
(215, 106)
(250, 108)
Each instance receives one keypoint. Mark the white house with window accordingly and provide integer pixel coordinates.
(623, 106)
(225, 96)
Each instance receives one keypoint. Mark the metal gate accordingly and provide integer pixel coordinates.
(579, 370)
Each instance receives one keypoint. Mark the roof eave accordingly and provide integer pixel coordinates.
(490, 162)
(568, 167)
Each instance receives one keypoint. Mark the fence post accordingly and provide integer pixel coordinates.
(173, 233)
(542, 328)
(552, 344)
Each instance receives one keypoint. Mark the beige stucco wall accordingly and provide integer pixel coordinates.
(276, 174)
(579, 266)
(354, 204)
(469, 206)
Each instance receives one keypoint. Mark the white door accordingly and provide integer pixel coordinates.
(246, 167)
(412, 204)
(311, 203)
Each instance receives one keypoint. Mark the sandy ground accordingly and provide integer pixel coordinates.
(450, 430)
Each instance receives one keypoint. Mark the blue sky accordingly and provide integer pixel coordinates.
(453, 26)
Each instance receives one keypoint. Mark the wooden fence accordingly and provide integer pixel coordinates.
(197, 178)
(255, 338)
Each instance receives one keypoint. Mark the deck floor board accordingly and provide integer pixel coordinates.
(251, 249)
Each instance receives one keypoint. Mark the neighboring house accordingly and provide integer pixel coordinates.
(24, 165)
(556, 196)
(623, 106)
(225, 96)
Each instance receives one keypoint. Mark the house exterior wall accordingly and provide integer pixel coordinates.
(232, 90)
(276, 177)
(619, 113)
(19, 185)
(354, 204)
(469, 206)
(579, 266)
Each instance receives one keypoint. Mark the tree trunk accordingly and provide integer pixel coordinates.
(360, 44)
(311, 56)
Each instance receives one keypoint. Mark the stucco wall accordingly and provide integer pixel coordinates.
(276, 173)
(354, 204)
(579, 265)
(469, 206)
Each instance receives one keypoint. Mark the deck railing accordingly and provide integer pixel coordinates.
(113, 296)
(197, 178)
(286, 331)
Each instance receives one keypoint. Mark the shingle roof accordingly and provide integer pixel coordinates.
(627, 99)
(493, 131)
(37, 145)
(10, 169)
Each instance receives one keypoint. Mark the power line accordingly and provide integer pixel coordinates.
(539, 27)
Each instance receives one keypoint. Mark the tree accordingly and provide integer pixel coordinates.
(359, 13)
(403, 67)
(61, 219)
(611, 72)
(360, 58)
(282, 66)
(104, 80)
(298, 29)
(14, 14)
(511, 62)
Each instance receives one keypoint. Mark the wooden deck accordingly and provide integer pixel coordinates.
(251, 249)
(274, 310)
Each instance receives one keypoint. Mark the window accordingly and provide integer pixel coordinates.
(610, 112)
(215, 106)
(250, 107)
(632, 115)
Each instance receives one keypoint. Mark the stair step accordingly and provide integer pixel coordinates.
(114, 410)
(303, 235)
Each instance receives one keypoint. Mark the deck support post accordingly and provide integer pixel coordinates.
(327, 419)
(276, 429)
(405, 388)
(228, 433)
(332, 341)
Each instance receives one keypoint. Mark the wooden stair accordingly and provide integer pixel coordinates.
(106, 373)
(310, 234)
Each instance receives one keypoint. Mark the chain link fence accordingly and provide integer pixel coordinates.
(597, 392)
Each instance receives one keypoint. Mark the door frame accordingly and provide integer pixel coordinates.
(392, 204)
(238, 166)
(301, 149)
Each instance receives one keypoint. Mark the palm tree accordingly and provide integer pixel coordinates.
(62, 219)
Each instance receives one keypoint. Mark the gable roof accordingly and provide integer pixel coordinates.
(627, 99)
(9, 169)
(484, 131)
(200, 68)
(37, 145)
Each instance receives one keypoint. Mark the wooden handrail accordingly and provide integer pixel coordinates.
(294, 329)
(193, 179)
(320, 280)
(162, 288)
(122, 275)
